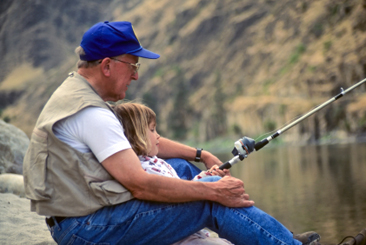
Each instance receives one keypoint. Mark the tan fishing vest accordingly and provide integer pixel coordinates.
(59, 180)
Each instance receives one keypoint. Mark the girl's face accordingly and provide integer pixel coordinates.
(153, 137)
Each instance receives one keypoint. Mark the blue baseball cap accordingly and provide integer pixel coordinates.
(109, 39)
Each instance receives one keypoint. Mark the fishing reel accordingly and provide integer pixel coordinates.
(243, 147)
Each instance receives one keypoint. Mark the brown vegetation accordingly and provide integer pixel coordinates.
(266, 61)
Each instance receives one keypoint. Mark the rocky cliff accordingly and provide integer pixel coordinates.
(226, 68)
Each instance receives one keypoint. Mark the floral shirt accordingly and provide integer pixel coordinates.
(155, 165)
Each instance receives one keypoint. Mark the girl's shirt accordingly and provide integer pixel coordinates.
(155, 165)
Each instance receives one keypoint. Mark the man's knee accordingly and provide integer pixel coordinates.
(184, 169)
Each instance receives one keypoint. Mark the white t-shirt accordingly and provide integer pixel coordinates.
(93, 129)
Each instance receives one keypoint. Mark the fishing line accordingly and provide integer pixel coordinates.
(283, 125)
(275, 130)
(242, 147)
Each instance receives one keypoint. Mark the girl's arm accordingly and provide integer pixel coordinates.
(126, 168)
(213, 171)
(172, 149)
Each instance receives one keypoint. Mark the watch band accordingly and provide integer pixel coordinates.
(198, 155)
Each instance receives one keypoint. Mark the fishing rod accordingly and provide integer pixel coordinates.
(244, 146)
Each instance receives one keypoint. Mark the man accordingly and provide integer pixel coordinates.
(80, 169)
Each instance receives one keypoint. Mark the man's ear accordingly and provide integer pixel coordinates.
(105, 66)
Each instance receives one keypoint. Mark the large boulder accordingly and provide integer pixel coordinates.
(12, 183)
(13, 145)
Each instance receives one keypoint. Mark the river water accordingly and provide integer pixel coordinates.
(317, 187)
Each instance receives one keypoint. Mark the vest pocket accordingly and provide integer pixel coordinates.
(35, 167)
(110, 192)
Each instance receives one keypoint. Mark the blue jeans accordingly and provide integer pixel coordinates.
(143, 222)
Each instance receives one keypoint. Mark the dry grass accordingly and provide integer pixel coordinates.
(19, 78)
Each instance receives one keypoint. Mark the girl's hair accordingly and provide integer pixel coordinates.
(135, 118)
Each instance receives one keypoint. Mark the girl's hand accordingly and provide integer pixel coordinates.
(211, 162)
(215, 171)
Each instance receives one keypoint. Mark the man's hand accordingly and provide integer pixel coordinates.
(231, 193)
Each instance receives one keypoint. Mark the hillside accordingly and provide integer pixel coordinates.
(227, 68)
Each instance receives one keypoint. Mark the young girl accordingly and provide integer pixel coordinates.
(139, 123)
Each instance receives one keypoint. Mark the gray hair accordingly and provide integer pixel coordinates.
(83, 63)
(88, 64)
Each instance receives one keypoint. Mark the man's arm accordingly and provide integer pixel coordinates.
(125, 167)
(171, 149)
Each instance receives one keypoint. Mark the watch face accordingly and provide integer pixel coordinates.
(198, 155)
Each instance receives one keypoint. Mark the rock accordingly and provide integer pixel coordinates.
(12, 183)
(13, 145)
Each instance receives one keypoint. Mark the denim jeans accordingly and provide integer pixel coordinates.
(143, 222)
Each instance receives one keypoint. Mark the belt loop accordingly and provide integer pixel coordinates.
(56, 223)
(52, 222)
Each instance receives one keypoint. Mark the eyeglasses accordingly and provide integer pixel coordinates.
(136, 66)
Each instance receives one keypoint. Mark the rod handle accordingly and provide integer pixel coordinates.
(260, 144)
(226, 165)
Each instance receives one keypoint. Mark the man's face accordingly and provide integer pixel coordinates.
(124, 71)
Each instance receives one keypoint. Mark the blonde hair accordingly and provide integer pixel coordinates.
(135, 118)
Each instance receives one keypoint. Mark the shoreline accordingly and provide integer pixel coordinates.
(226, 144)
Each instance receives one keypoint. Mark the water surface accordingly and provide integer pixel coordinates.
(320, 188)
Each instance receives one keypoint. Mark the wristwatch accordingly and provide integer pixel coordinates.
(198, 155)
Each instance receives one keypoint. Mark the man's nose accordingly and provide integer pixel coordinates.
(135, 76)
